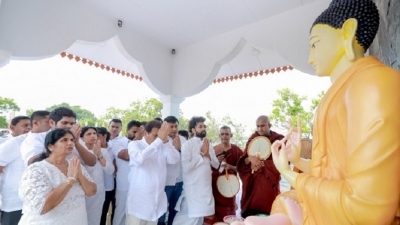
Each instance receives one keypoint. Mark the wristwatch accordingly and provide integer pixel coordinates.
(100, 158)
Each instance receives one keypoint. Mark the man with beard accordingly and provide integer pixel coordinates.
(261, 188)
(228, 155)
(196, 201)
(120, 151)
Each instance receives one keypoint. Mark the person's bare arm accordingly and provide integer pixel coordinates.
(87, 157)
(123, 154)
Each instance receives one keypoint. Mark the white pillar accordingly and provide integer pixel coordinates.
(171, 105)
(5, 57)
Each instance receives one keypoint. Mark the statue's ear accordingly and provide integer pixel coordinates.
(349, 29)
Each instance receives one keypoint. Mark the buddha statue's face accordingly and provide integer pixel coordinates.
(326, 49)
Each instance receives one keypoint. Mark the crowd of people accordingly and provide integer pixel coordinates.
(56, 172)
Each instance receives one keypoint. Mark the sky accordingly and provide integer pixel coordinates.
(42, 83)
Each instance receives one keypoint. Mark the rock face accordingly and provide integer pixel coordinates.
(386, 45)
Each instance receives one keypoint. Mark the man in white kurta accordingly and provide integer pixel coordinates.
(147, 200)
(198, 156)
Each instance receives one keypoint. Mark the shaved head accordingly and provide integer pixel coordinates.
(263, 125)
(263, 117)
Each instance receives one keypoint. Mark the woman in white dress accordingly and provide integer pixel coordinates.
(53, 189)
(94, 204)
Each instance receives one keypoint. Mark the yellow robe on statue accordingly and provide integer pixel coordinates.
(355, 166)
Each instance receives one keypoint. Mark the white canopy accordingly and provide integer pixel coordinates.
(210, 39)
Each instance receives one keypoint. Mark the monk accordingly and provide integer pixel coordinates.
(228, 155)
(353, 176)
(261, 187)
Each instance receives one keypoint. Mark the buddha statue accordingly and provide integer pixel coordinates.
(353, 175)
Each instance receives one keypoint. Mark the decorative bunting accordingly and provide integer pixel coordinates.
(136, 77)
(101, 66)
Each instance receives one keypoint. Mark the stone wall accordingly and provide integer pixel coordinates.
(386, 45)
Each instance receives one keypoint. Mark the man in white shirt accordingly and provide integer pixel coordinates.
(147, 200)
(63, 118)
(114, 127)
(120, 152)
(18, 125)
(12, 167)
(198, 156)
(174, 182)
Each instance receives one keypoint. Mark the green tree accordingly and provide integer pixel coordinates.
(82, 115)
(29, 112)
(214, 125)
(290, 105)
(6, 105)
(183, 121)
(140, 111)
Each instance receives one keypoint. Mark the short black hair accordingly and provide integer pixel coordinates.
(103, 131)
(115, 120)
(152, 124)
(39, 115)
(158, 119)
(133, 123)
(17, 119)
(194, 121)
(58, 113)
(85, 129)
(226, 128)
(364, 11)
(184, 133)
(171, 119)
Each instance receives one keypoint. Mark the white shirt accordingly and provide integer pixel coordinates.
(174, 171)
(197, 178)
(122, 165)
(109, 178)
(5, 138)
(146, 196)
(96, 171)
(10, 158)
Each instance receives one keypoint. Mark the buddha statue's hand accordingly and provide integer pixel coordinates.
(293, 144)
(279, 155)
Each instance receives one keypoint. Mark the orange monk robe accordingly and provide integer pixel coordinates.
(261, 188)
(355, 167)
(225, 206)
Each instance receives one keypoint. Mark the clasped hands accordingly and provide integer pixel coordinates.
(163, 132)
(205, 148)
(74, 171)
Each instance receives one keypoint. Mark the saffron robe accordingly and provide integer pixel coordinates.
(260, 189)
(225, 206)
(354, 177)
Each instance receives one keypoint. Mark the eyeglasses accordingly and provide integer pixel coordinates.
(226, 134)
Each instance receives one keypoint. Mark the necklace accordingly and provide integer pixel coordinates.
(61, 170)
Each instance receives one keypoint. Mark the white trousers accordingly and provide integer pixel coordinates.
(132, 220)
(120, 207)
(182, 217)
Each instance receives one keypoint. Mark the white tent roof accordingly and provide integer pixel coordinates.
(212, 39)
